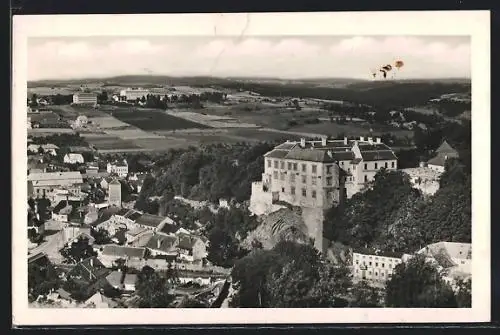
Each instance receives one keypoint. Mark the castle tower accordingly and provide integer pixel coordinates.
(115, 193)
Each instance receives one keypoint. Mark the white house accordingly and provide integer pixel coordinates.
(73, 158)
(373, 265)
(119, 168)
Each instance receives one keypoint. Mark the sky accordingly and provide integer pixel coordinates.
(278, 57)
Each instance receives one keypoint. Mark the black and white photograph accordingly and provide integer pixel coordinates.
(234, 165)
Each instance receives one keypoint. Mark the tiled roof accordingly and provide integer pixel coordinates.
(439, 160)
(445, 148)
(50, 176)
(123, 251)
(170, 229)
(187, 242)
(276, 154)
(114, 278)
(167, 243)
(88, 272)
(369, 156)
(374, 252)
(311, 155)
(130, 278)
(136, 231)
(150, 220)
(343, 155)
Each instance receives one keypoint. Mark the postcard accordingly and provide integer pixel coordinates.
(268, 167)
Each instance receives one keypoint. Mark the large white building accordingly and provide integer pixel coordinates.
(73, 158)
(118, 168)
(43, 184)
(453, 260)
(132, 94)
(316, 175)
(85, 99)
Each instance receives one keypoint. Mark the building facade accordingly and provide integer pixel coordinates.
(118, 168)
(85, 99)
(132, 94)
(45, 183)
(115, 193)
(443, 153)
(374, 266)
(317, 175)
(73, 158)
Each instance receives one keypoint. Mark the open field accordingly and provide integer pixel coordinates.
(50, 91)
(108, 122)
(49, 131)
(213, 121)
(110, 143)
(264, 134)
(334, 129)
(131, 134)
(154, 120)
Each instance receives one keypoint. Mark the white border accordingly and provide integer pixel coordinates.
(473, 23)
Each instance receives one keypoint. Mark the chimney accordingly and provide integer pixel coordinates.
(302, 142)
(361, 139)
(379, 140)
(323, 141)
(345, 140)
(370, 140)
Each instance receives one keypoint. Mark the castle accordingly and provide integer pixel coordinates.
(316, 175)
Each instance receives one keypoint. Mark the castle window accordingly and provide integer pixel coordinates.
(276, 164)
(314, 169)
(313, 181)
(304, 179)
(282, 176)
(282, 165)
(282, 190)
(385, 165)
(304, 168)
(392, 165)
(383, 265)
(376, 166)
(314, 194)
(370, 263)
(295, 167)
(304, 192)
(292, 178)
(292, 190)
(376, 264)
(342, 163)
(289, 166)
(269, 163)
(329, 169)
(366, 166)
(329, 181)
(366, 178)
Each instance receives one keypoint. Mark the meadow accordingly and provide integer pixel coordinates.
(154, 120)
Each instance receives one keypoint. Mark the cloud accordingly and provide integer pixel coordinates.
(253, 56)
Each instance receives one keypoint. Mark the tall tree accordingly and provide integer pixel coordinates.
(418, 283)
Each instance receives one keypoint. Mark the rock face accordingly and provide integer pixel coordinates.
(275, 227)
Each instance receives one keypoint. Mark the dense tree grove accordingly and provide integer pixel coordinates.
(417, 283)
(208, 173)
(393, 216)
(42, 278)
(153, 289)
(289, 275)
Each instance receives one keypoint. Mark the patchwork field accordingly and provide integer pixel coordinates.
(213, 121)
(264, 135)
(110, 143)
(334, 129)
(154, 120)
(50, 91)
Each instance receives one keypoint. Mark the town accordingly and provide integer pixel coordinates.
(256, 172)
(195, 222)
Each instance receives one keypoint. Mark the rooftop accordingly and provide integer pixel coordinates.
(49, 176)
(446, 148)
(162, 242)
(150, 220)
(117, 250)
(375, 252)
